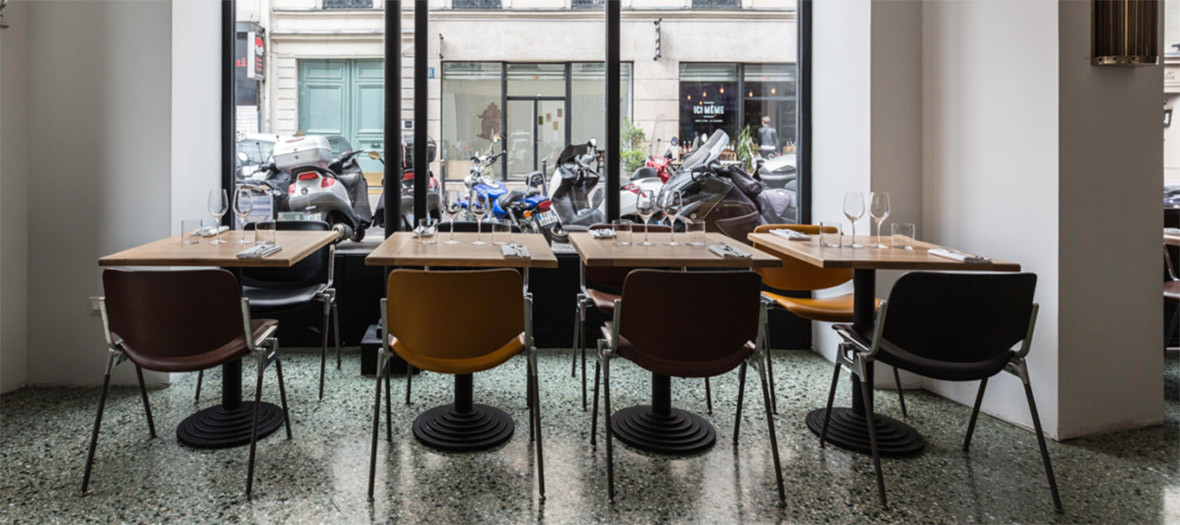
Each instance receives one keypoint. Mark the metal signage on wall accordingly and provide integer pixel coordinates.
(255, 55)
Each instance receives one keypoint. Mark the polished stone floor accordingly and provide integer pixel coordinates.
(321, 475)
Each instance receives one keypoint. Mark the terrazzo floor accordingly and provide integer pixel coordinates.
(320, 476)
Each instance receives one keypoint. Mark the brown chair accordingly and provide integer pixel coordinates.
(497, 325)
(1172, 296)
(714, 337)
(182, 321)
(798, 276)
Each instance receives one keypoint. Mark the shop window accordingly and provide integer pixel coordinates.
(708, 101)
(716, 4)
(472, 113)
(587, 4)
(348, 4)
(768, 107)
(475, 4)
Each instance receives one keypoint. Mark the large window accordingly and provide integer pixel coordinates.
(758, 100)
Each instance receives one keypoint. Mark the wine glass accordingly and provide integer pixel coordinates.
(854, 209)
(218, 206)
(879, 211)
(672, 208)
(645, 206)
(243, 205)
(454, 205)
(478, 206)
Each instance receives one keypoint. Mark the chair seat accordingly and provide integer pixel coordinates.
(828, 309)
(603, 302)
(679, 368)
(1172, 290)
(469, 365)
(894, 355)
(269, 299)
(191, 363)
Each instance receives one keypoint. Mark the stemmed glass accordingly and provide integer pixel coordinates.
(454, 205)
(879, 211)
(854, 209)
(243, 205)
(218, 206)
(478, 206)
(645, 206)
(673, 206)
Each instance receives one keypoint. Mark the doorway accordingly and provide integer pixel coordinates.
(537, 132)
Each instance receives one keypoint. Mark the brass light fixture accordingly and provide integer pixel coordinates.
(1124, 32)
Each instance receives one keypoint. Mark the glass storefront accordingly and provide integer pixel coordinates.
(732, 97)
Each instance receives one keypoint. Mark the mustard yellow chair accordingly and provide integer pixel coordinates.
(419, 315)
(798, 276)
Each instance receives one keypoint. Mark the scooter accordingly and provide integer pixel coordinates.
(647, 180)
(573, 188)
(433, 197)
(527, 207)
(318, 189)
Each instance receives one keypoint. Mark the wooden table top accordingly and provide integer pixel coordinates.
(604, 252)
(871, 258)
(1171, 238)
(297, 245)
(401, 249)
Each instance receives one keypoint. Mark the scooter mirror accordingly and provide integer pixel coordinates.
(593, 143)
(243, 157)
(675, 141)
(374, 155)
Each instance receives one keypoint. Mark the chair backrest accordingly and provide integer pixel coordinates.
(470, 227)
(689, 319)
(799, 275)
(959, 317)
(738, 228)
(613, 277)
(456, 314)
(171, 314)
(309, 271)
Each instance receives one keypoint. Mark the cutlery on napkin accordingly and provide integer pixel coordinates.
(960, 256)
(259, 251)
(602, 233)
(515, 251)
(729, 252)
(423, 232)
(208, 231)
(791, 235)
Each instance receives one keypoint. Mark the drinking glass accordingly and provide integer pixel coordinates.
(501, 233)
(673, 205)
(879, 211)
(190, 231)
(426, 230)
(854, 209)
(830, 234)
(243, 205)
(696, 233)
(645, 206)
(903, 235)
(622, 230)
(478, 206)
(264, 233)
(218, 204)
(453, 206)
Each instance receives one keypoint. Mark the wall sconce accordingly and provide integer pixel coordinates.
(1124, 32)
(1167, 115)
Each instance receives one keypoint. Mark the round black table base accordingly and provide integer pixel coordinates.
(219, 427)
(679, 432)
(444, 428)
(851, 431)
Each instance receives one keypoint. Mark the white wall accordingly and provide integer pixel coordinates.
(101, 138)
(14, 194)
(196, 96)
(1111, 362)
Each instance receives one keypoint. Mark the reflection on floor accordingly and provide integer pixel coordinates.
(321, 475)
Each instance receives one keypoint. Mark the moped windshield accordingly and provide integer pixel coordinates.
(707, 153)
(570, 152)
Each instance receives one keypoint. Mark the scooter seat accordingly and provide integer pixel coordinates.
(508, 198)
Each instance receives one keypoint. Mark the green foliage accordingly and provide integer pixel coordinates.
(745, 148)
(632, 153)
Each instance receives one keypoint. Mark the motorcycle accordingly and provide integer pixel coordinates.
(433, 197)
(573, 188)
(712, 192)
(527, 207)
(322, 185)
(648, 179)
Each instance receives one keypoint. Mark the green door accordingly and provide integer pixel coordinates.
(346, 98)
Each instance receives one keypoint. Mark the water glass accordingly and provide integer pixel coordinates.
(903, 235)
(501, 233)
(695, 232)
(264, 233)
(426, 230)
(831, 234)
(190, 231)
(622, 232)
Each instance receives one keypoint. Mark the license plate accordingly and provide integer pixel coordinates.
(548, 217)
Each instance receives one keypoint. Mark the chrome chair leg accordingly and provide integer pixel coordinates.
(865, 388)
(254, 426)
(147, 408)
(376, 423)
(823, 434)
(737, 420)
(102, 401)
(1032, 406)
(200, 378)
(324, 346)
(900, 395)
(974, 414)
(409, 380)
(576, 345)
(528, 376)
(610, 459)
(283, 394)
(536, 413)
(708, 397)
(388, 402)
(778, 471)
(594, 411)
(336, 330)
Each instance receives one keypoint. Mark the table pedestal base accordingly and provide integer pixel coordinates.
(220, 427)
(850, 431)
(445, 428)
(678, 432)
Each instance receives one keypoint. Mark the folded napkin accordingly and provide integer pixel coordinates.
(424, 232)
(259, 251)
(790, 235)
(960, 256)
(729, 252)
(515, 251)
(602, 233)
(1172, 231)
(208, 231)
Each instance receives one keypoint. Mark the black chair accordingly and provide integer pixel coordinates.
(953, 327)
(1171, 296)
(272, 290)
